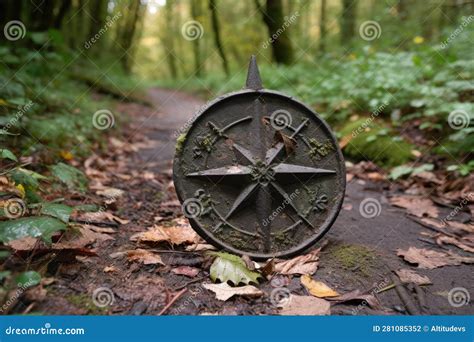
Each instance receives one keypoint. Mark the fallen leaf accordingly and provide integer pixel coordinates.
(223, 291)
(303, 264)
(317, 288)
(109, 269)
(358, 296)
(102, 216)
(176, 235)
(305, 306)
(416, 205)
(144, 256)
(409, 276)
(444, 239)
(186, 271)
(111, 193)
(198, 247)
(429, 259)
(227, 267)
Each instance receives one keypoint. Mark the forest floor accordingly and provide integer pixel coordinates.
(358, 253)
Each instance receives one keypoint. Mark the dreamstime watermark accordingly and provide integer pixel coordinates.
(361, 128)
(464, 202)
(370, 30)
(14, 208)
(457, 31)
(192, 30)
(18, 115)
(281, 119)
(188, 301)
(459, 119)
(370, 208)
(376, 289)
(280, 295)
(19, 291)
(185, 127)
(280, 208)
(286, 24)
(459, 296)
(103, 119)
(14, 30)
(108, 24)
(46, 330)
(102, 297)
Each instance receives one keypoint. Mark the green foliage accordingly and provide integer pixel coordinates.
(463, 169)
(28, 279)
(73, 178)
(60, 211)
(228, 267)
(375, 142)
(41, 226)
(405, 170)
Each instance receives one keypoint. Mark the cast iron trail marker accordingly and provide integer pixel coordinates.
(259, 173)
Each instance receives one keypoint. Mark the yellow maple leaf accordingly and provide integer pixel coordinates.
(317, 288)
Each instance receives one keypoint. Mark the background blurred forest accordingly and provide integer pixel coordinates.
(394, 78)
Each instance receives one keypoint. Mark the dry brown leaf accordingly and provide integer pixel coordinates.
(110, 193)
(198, 247)
(357, 296)
(305, 306)
(303, 264)
(409, 276)
(144, 256)
(429, 259)
(187, 271)
(317, 288)
(416, 205)
(224, 291)
(173, 235)
(102, 216)
(444, 239)
(109, 269)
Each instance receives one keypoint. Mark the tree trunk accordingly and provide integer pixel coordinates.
(195, 14)
(63, 9)
(98, 15)
(322, 27)
(348, 20)
(168, 39)
(272, 15)
(217, 37)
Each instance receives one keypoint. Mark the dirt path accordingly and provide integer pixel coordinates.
(360, 253)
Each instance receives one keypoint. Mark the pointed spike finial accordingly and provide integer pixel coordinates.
(253, 75)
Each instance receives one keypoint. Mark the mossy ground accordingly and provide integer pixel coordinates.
(353, 258)
(375, 142)
(83, 301)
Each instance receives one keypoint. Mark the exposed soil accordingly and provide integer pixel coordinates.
(360, 253)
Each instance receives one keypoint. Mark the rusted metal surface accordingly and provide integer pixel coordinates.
(259, 173)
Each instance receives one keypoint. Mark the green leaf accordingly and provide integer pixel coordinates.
(28, 279)
(228, 267)
(70, 176)
(400, 171)
(4, 274)
(60, 211)
(7, 154)
(41, 226)
(423, 168)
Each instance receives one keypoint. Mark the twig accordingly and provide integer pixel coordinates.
(420, 294)
(405, 297)
(386, 288)
(175, 298)
(97, 223)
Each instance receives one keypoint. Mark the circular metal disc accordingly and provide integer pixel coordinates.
(259, 173)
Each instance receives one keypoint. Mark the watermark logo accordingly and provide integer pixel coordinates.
(103, 119)
(280, 119)
(370, 30)
(458, 296)
(192, 208)
(458, 119)
(192, 30)
(14, 208)
(465, 21)
(14, 30)
(287, 23)
(370, 208)
(108, 24)
(102, 297)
